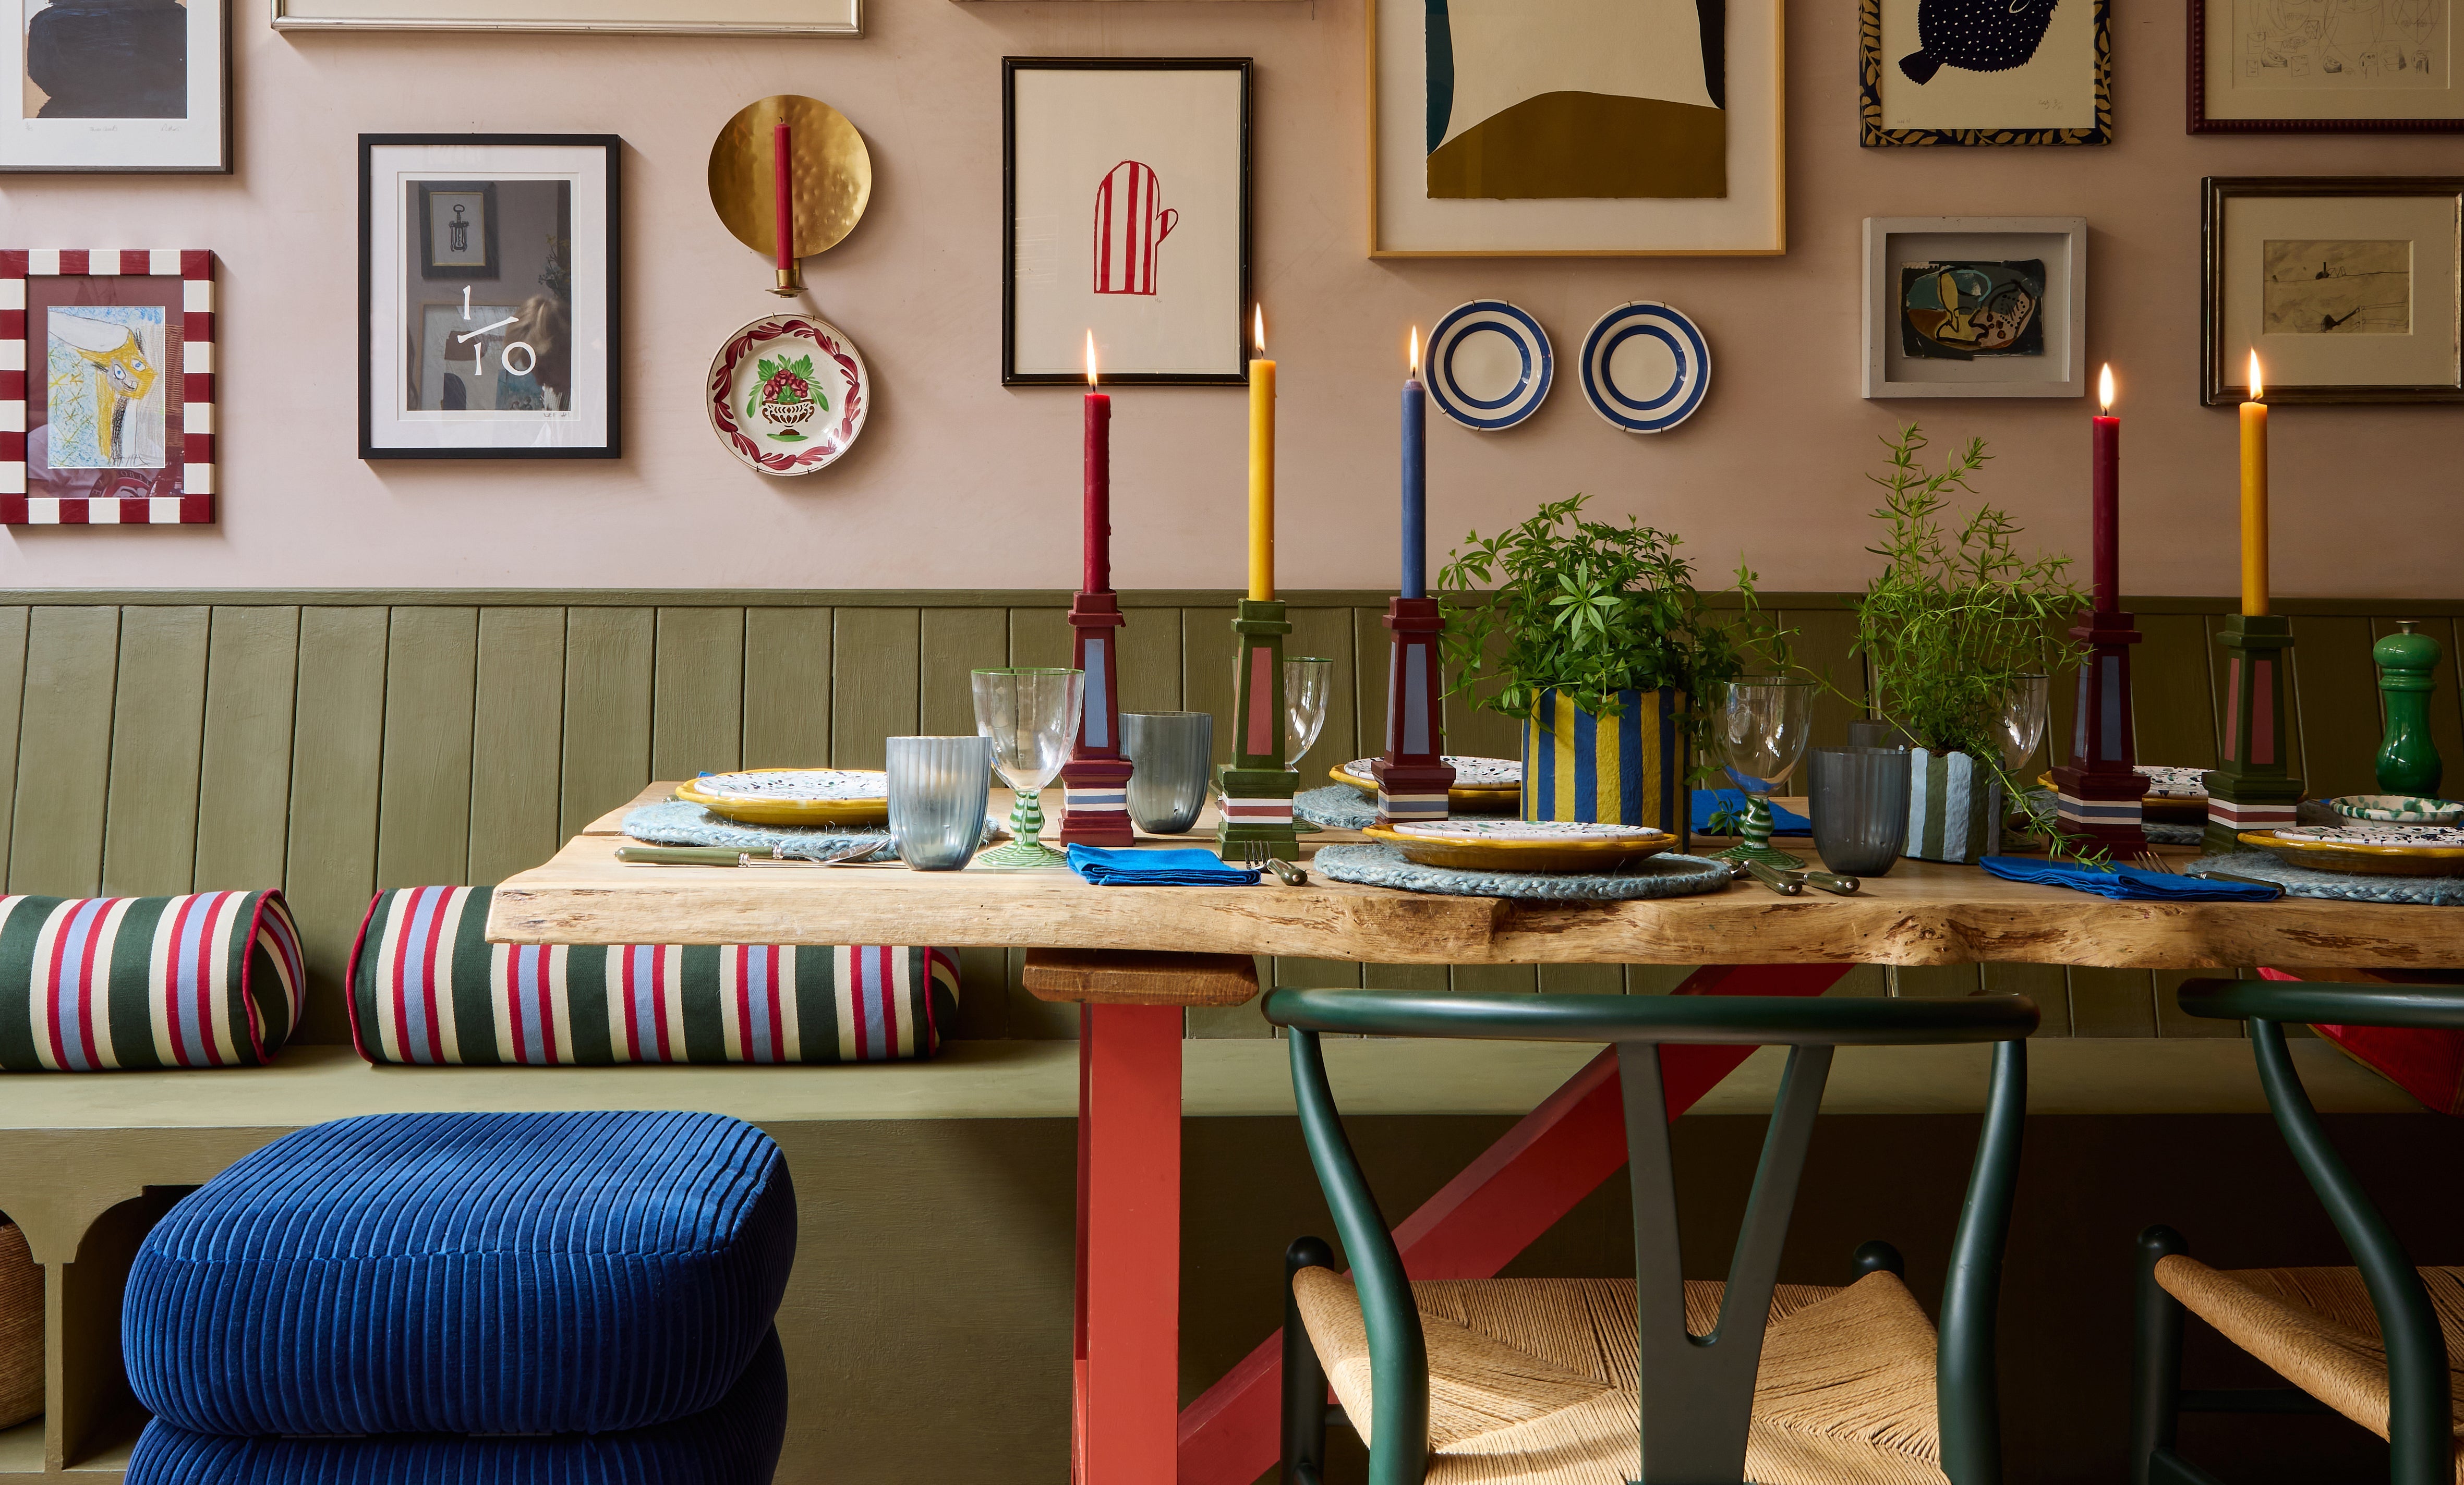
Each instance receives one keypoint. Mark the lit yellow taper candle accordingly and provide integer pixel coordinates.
(1261, 467)
(2254, 497)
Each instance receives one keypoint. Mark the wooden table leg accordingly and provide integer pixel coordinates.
(1129, 1244)
(1517, 1189)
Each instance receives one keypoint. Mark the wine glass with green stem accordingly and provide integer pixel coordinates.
(1032, 717)
(1761, 723)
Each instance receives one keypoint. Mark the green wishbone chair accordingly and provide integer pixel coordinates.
(2366, 1342)
(1665, 1380)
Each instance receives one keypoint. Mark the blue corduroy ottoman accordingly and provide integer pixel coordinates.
(735, 1443)
(465, 1274)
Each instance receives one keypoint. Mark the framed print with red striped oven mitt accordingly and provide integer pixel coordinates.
(106, 387)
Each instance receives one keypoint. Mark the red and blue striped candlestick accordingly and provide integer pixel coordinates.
(1095, 781)
(1413, 777)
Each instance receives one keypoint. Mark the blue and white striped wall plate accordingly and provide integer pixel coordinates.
(1488, 366)
(1645, 367)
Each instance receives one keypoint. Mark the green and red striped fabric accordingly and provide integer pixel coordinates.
(90, 984)
(427, 986)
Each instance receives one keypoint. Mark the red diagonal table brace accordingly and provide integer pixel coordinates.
(1516, 1190)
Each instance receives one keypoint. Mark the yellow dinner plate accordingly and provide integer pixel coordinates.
(1483, 798)
(1522, 845)
(793, 795)
(2359, 858)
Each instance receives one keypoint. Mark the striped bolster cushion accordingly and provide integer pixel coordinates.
(428, 987)
(89, 984)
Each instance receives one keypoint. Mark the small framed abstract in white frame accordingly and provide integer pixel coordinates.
(140, 86)
(489, 272)
(1975, 306)
(1125, 194)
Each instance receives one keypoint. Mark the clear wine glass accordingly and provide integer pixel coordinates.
(1307, 681)
(2022, 727)
(1031, 718)
(1761, 723)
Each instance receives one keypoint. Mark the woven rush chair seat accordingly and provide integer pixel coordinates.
(2316, 1327)
(1534, 1380)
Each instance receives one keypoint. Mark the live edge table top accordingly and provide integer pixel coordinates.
(1920, 914)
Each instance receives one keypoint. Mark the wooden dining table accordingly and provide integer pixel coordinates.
(1130, 1428)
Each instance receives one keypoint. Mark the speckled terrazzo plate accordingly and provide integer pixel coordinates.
(2367, 849)
(2397, 809)
(1516, 845)
(793, 795)
(1483, 786)
(2172, 794)
(1378, 864)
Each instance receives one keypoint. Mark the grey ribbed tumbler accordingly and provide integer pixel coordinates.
(1859, 798)
(1173, 754)
(938, 788)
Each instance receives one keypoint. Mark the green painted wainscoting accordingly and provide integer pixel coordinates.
(339, 741)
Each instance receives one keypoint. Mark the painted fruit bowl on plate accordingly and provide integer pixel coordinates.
(2398, 809)
(793, 795)
(2372, 849)
(1522, 844)
(1483, 786)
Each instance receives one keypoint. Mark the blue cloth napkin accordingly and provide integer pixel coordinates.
(1134, 867)
(2127, 882)
(1708, 802)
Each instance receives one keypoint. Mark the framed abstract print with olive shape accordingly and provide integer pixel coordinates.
(1986, 72)
(2350, 289)
(488, 297)
(1975, 306)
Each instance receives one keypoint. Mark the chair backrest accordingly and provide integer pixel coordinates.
(1697, 1390)
(2420, 1438)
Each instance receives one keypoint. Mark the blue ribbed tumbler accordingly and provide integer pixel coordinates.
(938, 788)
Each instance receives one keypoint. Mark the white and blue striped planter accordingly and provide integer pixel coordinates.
(1954, 808)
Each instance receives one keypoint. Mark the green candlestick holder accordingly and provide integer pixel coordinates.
(2254, 786)
(2408, 664)
(1257, 787)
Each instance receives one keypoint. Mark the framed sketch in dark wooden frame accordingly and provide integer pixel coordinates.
(1125, 214)
(1968, 73)
(498, 340)
(2350, 289)
(2383, 68)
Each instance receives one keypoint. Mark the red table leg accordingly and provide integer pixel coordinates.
(1128, 1354)
(1502, 1202)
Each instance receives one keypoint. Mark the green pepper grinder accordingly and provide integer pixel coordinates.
(2408, 672)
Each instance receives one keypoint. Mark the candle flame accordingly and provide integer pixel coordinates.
(1090, 358)
(1258, 328)
(2104, 388)
(2258, 390)
(1416, 351)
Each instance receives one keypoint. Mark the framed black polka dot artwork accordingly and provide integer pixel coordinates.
(1986, 72)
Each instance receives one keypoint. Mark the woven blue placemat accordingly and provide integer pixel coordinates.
(1376, 865)
(1336, 807)
(674, 822)
(2302, 882)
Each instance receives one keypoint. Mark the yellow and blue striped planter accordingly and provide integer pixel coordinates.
(1625, 769)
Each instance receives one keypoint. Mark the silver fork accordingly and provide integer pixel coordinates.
(1258, 857)
(2147, 859)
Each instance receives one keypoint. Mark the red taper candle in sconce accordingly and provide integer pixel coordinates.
(2105, 492)
(1099, 481)
(782, 170)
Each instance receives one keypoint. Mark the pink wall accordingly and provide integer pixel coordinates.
(959, 483)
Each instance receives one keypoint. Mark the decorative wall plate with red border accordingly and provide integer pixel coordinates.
(106, 387)
(788, 394)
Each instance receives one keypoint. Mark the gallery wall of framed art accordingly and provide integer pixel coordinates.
(1769, 458)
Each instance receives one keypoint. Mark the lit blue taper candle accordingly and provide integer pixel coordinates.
(1415, 478)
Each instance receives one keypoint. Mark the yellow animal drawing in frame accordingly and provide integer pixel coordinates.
(106, 399)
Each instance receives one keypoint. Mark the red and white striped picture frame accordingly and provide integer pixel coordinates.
(182, 490)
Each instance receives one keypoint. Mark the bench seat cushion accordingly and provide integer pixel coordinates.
(465, 1274)
(427, 986)
(94, 984)
(735, 1443)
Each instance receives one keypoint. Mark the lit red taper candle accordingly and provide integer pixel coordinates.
(2105, 446)
(1099, 481)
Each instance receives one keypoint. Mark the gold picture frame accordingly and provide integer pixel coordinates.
(1752, 223)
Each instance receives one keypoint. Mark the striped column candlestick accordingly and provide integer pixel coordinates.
(1256, 786)
(1095, 781)
(2253, 786)
(2097, 792)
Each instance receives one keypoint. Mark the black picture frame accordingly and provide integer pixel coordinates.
(1872, 135)
(2219, 386)
(611, 147)
(429, 267)
(2198, 122)
(223, 162)
(1237, 330)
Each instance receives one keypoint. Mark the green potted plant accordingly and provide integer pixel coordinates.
(1956, 625)
(1593, 636)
